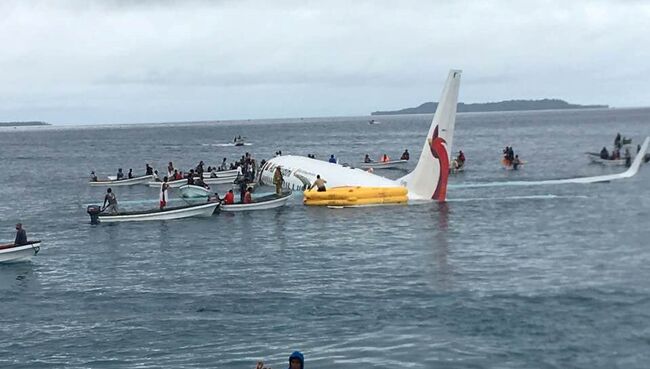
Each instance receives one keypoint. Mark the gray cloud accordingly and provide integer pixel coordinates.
(80, 61)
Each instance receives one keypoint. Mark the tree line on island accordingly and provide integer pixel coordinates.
(507, 105)
(23, 124)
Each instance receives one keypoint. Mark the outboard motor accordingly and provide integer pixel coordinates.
(93, 211)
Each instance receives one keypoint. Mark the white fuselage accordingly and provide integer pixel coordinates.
(300, 172)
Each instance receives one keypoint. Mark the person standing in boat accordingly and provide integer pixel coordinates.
(248, 197)
(405, 155)
(148, 170)
(120, 174)
(229, 198)
(163, 193)
(617, 141)
(461, 159)
(319, 183)
(130, 173)
(628, 157)
(516, 162)
(111, 200)
(21, 235)
(170, 169)
(278, 179)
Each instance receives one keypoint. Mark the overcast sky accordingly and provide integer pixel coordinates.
(159, 61)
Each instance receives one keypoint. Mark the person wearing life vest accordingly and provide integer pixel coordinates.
(385, 159)
(229, 198)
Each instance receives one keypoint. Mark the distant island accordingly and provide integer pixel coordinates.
(508, 105)
(22, 124)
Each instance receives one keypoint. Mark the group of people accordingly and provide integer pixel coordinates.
(459, 162)
(616, 151)
(510, 159)
(385, 158)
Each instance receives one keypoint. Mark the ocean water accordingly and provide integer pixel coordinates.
(496, 277)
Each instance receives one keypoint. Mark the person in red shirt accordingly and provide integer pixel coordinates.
(248, 197)
(229, 198)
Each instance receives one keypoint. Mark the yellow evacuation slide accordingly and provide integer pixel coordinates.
(356, 195)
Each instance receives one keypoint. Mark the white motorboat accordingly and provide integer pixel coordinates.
(263, 203)
(216, 181)
(595, 158)
(172, 184)
(193, 192)
(122, 182)
(187, 211)
(181, 182)
(391, 164)
(10, 253)
(221, 173)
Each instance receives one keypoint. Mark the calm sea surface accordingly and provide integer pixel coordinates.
(550, 276)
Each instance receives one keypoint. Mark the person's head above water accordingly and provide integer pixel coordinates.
(296, 360)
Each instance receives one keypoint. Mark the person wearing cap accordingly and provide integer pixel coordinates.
(296, 361)
(21, 235)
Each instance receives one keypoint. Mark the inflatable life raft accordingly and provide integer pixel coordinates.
(356, 195)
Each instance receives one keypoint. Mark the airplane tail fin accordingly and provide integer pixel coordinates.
(429, 178)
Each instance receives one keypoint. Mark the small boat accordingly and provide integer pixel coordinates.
(179, 212)
(240, 141)
(221, 173)
(222, 180)
(122, 182)
(595, 158)
(172, 184)
(263, 203)
(12, 253)
(372, 121)
(193, 192)
(391, 164)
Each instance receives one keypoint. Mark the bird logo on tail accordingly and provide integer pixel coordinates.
(439, 151)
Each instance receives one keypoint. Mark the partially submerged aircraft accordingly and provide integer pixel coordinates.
(427, 181)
